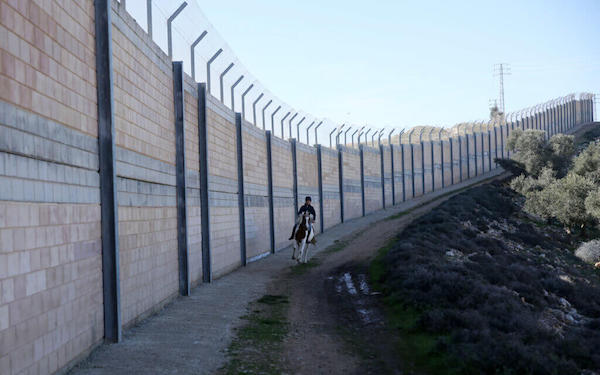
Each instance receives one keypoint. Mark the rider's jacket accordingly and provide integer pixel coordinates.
(310, 209)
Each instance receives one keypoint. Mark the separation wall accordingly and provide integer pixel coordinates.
(177, 218)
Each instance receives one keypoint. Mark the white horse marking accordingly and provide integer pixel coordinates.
(302, 238)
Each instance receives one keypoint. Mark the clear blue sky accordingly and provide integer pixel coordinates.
(402, 63)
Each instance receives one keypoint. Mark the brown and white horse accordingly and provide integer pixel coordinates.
(302, 238)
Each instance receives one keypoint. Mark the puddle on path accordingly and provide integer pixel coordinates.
(353, 294)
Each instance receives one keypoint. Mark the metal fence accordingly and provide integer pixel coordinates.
(207, 58)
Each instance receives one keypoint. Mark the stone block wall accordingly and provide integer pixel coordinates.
(372, 178)
(448, 162)
(308, 180)
(419, 172)
(408, 170)
(145, 146)
(192, 165)
(254, 145)
(222, 187)
(428, 166)
(437, 165)
(351, 183)
(387, 173)
(398, 172)
(283, 194)
(51, 301)
(50, 247)
(331, 187)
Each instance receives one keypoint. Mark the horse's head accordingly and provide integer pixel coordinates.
(305, 219)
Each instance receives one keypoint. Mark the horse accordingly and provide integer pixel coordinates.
(302, 238)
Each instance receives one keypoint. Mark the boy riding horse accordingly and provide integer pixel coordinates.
(311, 211)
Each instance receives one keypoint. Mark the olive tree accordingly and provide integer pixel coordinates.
(587, 163)
(592, 204)
(529, 148)
(564, 199)
(562, 150)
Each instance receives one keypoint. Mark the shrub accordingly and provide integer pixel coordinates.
(562, 149)
(525, 184)
(592, 204)
(589, 252)
(566, 200)
(587, 163)
(530, 149)
(563, 199)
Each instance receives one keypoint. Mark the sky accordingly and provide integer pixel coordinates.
(394, 63)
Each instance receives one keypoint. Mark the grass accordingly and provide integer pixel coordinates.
(256, 348)
(418, 349)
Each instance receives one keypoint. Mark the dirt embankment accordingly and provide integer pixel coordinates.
(492, 290)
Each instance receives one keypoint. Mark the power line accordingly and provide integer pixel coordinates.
(501, 70)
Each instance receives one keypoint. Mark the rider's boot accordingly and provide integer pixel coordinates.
(293, 232)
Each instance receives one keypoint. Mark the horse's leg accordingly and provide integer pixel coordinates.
(294, 246)
(303, 253)
(306, 251)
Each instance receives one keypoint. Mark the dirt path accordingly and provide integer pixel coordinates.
(318, 316)
(314, 345)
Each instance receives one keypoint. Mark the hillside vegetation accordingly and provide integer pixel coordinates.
(498, 280)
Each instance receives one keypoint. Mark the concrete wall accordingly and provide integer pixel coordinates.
(308, 183)
(145, 144)
(222, 187)
(51, 304)
(331, 187)
(398, 172)
(351, 183)
(50, 259)
(387, 174)
(408, 170)
(283, 193)
(372, 179)
(255, 190)
(194, 219)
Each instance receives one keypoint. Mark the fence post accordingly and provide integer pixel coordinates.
(495, 145)
(241, 195)
(502, 141)
(482, 151)
(362, 178)
(468, 157)
(450, 141)
(106, 159)
(412, 168)
(341, 181)
(393, 176)
(432, 168)
(182, 245)
(295, 174)
(204, 208)
(460, 158)
(403, 171)
(320, 183)
(489, 149)
(475, 153)
(442, 161)
(422, 167)
(270, 191)
(382, 176)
